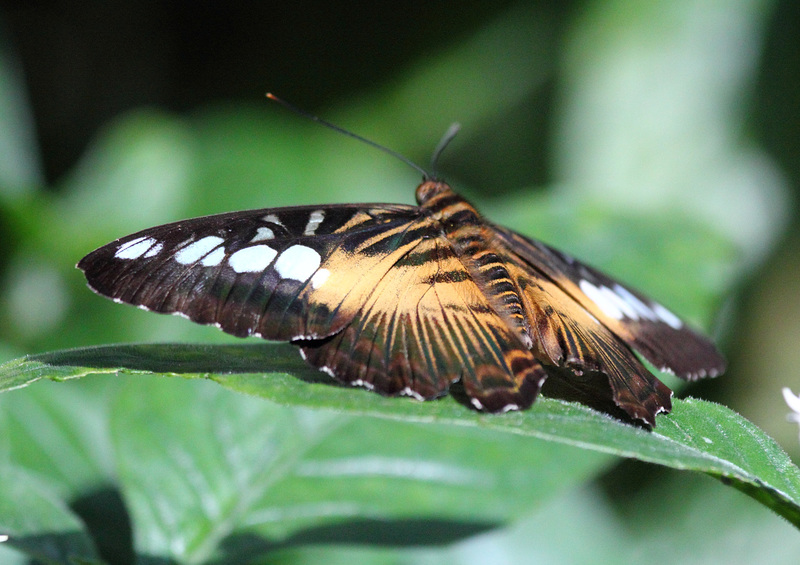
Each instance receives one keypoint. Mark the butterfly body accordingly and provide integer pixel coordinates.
(407, 300)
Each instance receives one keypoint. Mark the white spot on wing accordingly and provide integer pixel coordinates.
(619, 303)
(200, 248)
(362, 383)
(667, 317)
(643, 309)
(608, 306)
(412, 393)
(263, 234)
(135, 248)
(319, 278)
(3, 538)
(214, 258)
(252, 259)
(627, 310)
(314, 220)
(153, 251)
(476, 403)
(273, 219)
(298, 262)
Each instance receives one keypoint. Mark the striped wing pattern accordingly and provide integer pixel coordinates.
(569, 337)
(256, 273)
(407, 300)
(645, 325)
(439, 329)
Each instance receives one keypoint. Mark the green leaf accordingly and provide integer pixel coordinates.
(614, 527)
(67, 448)
(697, 435)
(38, 523)
(211, 475)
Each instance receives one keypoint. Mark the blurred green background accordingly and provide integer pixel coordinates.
(582, 123)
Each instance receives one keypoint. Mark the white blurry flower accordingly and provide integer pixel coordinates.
(794, 404)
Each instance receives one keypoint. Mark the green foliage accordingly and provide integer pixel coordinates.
(210, 475)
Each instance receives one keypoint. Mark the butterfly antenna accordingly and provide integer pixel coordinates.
(341, 130)
(444, 142)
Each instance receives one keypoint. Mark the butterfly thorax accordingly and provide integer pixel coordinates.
(471, 238)
(445, 205)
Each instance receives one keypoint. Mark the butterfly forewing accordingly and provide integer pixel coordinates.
(263, 272)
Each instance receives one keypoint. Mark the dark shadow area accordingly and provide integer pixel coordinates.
(377, 533)
(104, 513)
(87, 62)
(458, 393)
(108, 523)
(61, 547)
(178, 358)
(591, 389)
(623, 484)
(631, 485)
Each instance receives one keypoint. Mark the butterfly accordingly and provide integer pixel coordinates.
(411, 301)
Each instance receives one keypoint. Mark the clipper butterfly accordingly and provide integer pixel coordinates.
(408, 300)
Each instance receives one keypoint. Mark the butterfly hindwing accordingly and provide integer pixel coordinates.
(426, 326)
(643, 324)
(585, 352)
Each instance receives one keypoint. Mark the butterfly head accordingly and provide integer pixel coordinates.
(431, 191)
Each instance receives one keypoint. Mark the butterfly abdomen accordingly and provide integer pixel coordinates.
(465, 229)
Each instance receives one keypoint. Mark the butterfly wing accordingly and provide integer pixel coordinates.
(643, 324)
(263, 272)
(587, 361)
(426, 325)
(373, 294)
